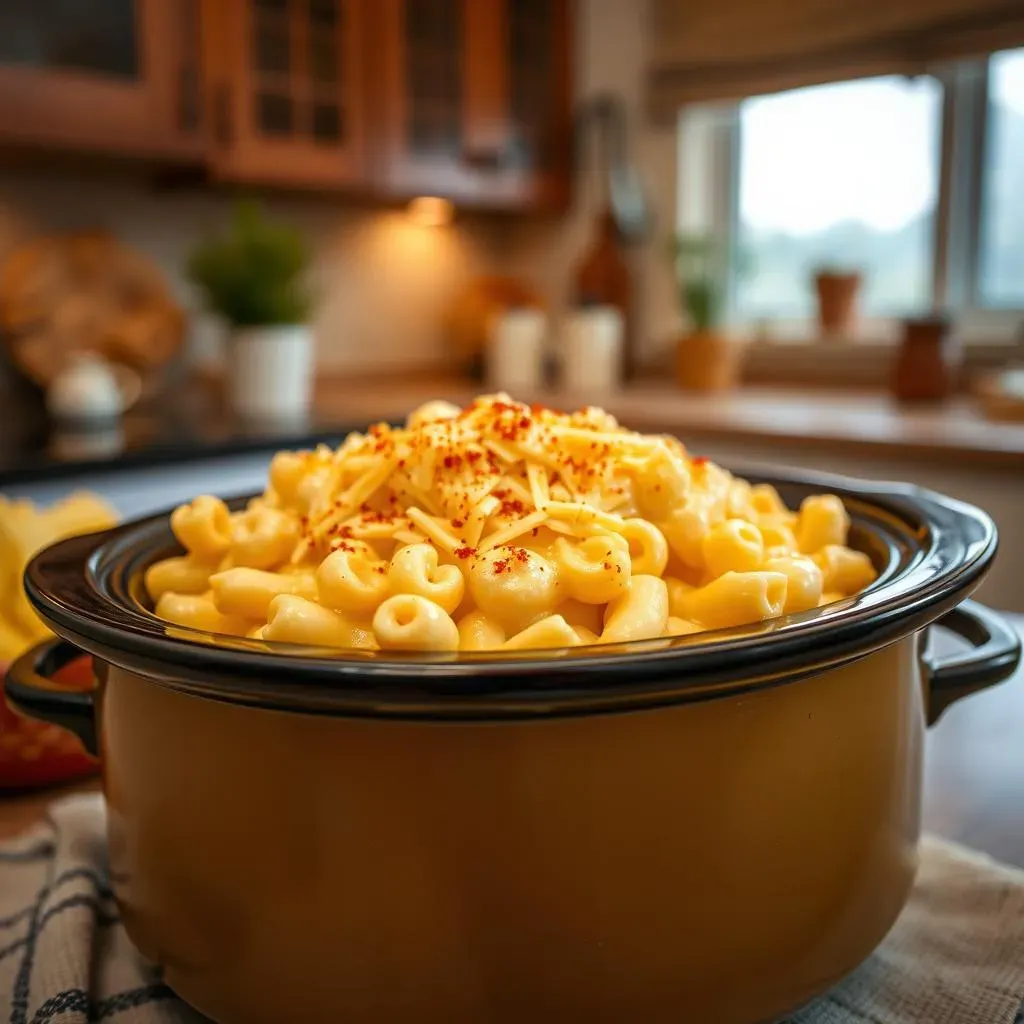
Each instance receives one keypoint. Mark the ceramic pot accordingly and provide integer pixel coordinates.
(515, 351)
(707, 361)
(270, 372)
(713, 828)
(928, 362)
(592, 352)
(89, 390)
(837, 301)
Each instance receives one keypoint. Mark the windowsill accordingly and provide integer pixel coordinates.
(794, 352)
(801, 331)
(995, 329)
(852, 364)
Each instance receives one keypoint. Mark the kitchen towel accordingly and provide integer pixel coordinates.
(955, 956)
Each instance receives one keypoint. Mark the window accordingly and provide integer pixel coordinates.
(838, 175)
(916, 183)
(1001, 258)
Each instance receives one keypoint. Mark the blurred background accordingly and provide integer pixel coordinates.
(785, 232)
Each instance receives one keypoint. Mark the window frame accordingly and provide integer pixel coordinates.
(708, 201)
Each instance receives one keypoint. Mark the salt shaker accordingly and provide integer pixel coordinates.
(515, 354)
(592, 353)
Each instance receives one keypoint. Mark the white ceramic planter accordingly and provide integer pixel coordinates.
(592, 351)
(270, 372)
(515, 354)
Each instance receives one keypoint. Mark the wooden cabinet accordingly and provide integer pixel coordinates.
(284, 86)
(539, 45)
(468, 99)
(475, 101)
(119, 76)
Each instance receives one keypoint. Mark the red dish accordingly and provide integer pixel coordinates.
(35, 754)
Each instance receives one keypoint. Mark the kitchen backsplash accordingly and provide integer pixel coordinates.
(384, 281)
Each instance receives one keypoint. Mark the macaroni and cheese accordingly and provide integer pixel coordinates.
(501, 526)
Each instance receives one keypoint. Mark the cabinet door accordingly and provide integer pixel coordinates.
(540, 98)
(421, 45)
(284, 80)
(117, 76)
(476, 100)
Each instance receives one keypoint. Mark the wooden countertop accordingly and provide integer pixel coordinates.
(973, 787)
(857, 422)
(198, 425)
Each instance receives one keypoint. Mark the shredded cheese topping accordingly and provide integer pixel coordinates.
(501, 525)
(480, 479)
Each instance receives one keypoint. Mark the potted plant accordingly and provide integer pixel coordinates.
(837, 289)
(253, 277)
(706, 358)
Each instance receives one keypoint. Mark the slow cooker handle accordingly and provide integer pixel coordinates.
(994, 656)
(31, 691)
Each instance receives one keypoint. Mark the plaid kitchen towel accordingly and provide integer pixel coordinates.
(956, 955)
(64, 957)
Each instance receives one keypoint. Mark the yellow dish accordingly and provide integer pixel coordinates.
(513, 835)
(24, 530)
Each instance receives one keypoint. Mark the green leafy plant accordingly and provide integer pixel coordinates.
(253, 274)
(702, 267)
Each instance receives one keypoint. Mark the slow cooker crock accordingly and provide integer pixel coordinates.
(711, 828)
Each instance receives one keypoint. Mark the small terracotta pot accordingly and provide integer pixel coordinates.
(707, 361)
(928, 361)
(837, 301)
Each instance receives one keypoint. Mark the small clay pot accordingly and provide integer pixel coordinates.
(928, 362)
(837, 301)
(707, 361)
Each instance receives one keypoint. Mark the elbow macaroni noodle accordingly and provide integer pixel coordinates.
(501, 527)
